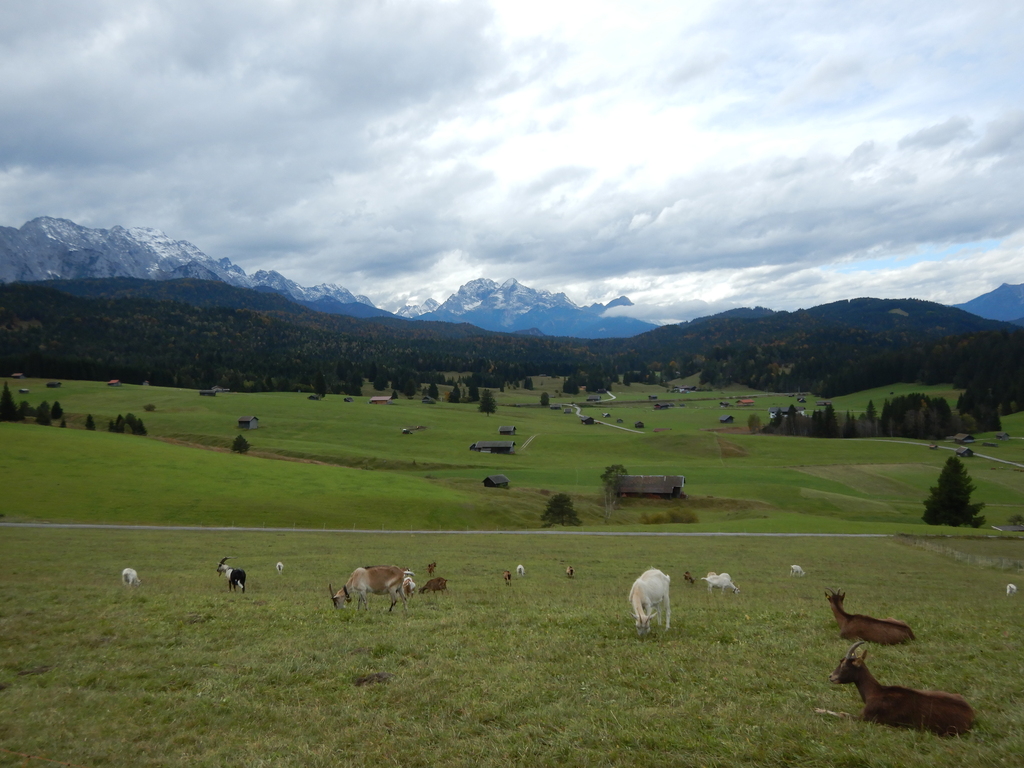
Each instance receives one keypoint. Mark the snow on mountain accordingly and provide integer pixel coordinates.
(410, 311)
(510, 299)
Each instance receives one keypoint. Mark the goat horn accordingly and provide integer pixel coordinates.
(830, 590)
(854, 647)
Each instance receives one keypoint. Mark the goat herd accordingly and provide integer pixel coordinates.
(943, 713)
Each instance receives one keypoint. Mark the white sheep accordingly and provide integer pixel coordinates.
(796, 570)
(721, 580)
(131, 578)
(280, 567)
(520, 571)
(1011, 589)
(646, 596)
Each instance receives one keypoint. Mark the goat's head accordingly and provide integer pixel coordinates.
(834, 596)
(851, 666)
(643, 626)
(340, 597)
(221, 568)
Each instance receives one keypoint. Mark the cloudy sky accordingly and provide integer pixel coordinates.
(692, 155)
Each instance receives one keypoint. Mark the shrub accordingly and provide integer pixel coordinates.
(149, 408)
(671, 516)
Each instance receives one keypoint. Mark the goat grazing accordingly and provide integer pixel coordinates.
(280, 567)
(437, 584)
(408, 587)
(887, 631)
(431, 567)
(689, 578)
(947, 714)
(648, 594)
(131, 578)
(508, 578)
(570, 571)
(796, 570)
(376, 579)
(235, 576)
(1011, 589)
(721, 580)
(520, 571)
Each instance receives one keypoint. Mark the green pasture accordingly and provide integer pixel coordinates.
(547, 672)
(332, 464)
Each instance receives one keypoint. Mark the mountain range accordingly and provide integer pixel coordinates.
(58, 249)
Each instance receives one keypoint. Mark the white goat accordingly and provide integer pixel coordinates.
(131, 578)
(721, 580)
(376, 579)
(520, 571)
(1011, 589)
(408, 587)
(796, 570)
(280, 567)
(647, 595)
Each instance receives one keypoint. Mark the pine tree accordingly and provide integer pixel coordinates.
(241, 445)
(455, 395)
(8, 410)
(487, 404)
(43, 414)
(432, 391)
(544, 399)
(56, 411)
(560, 511)
(472, 393)
(320, 383)
(950, 500)
(90, 423)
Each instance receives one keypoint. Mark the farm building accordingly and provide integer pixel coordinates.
(725, 419)
(349, 399)
(380, 400)
(17, 375)
(114, 383)
(1002, 435)
(494, 446)
(248, 422)
(639, 425)
(661, 486)
(586, 420)
(313, 397)
(506, 430)
(427, 400)
(496, 481)
(207, 392)
(593, 398)
(652, 397)
(963, 438)
(745, 401)
(964, 452)
(53, 384)
(23, 391)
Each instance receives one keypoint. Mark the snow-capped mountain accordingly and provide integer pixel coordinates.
(512, 306)
(53, 249)
(410, 311)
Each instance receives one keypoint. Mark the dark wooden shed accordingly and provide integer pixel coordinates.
(496, 481)
(652, 486)
(494, 446)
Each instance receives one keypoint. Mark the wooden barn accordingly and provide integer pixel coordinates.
(380, 400)
(248, 422)
(494, 446)
(725, 419)
(496, 481)
(506, 430)
(651, 486)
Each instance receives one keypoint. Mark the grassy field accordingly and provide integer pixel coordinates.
(349, 465)
(549, 672)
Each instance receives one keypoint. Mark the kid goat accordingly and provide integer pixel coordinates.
(236, 576)
(887, 631)
(647, 595)
(947, 714)
(130, 577)
(721, 580)
(377, 579)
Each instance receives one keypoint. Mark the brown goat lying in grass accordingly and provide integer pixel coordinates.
(947, 714)
(854, 626)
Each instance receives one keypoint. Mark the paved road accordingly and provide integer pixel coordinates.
(221, 529)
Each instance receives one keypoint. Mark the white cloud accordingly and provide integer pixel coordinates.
(693, 156)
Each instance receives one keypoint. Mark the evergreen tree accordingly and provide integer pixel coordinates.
(24, 410)
(570, 387)
(43, 414)
(241, 445)
(754, 423)
(528, 383)
(610, 480)
(472, 393)
(544, 399)
(8, 410)
(487, 404)
(432, 391)
(63, 424)
(90, 423)
(560, 511)
(455, 395)
(320, 383)
(410, 388)
(56, 411)
(950, 500)
(354, 385)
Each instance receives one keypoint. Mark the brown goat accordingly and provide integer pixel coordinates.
(431, 567)
(435, 585)
(570, 571)
(508, 578)
(857, 627)
(689, 578)
(947, 714)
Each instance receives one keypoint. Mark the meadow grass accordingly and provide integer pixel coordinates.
(351, 466)
(548, 672)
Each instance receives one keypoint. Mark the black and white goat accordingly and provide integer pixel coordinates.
(235, 576)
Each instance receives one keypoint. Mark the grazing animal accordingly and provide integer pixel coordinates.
(721, 580)
(376, 579)
(431, 567)
(280, 567)
(130, 577)
(887, 631)
(235, 576)
(436, 584)
(947, 714)
(689, 578)
(408, 587)
(796, 570)
(520, 571)
(1011, 589)
(570, 572)
(648, 596)
(508, 578)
